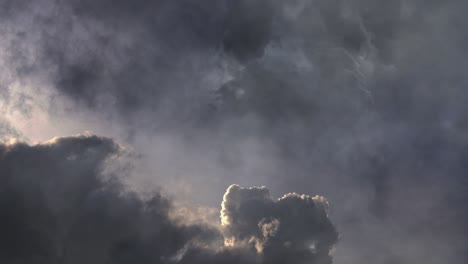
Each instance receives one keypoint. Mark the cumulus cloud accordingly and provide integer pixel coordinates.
(57, 206)
(293, 229)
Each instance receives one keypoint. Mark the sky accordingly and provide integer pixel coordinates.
(233, 131)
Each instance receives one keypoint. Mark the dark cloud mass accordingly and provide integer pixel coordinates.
(362, 101)
(57, 206)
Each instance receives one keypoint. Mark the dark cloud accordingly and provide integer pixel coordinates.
(361, 100)
(134, 55)
(57, 206)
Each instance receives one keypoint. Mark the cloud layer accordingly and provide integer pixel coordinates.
(362, 101)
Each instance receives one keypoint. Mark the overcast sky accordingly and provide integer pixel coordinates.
(233, 131)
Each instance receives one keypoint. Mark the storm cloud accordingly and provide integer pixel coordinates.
(360, 101)
(58, 206)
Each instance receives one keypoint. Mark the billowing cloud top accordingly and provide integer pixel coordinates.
(293, 229)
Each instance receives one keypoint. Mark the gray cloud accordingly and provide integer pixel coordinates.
(362, 101)
(131, 56)
(58, 206)
(293, 229)
(7, 131)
